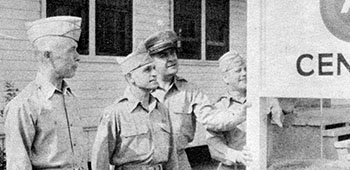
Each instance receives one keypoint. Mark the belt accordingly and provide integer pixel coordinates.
(141, 167)
(233, 167)
(79, 168)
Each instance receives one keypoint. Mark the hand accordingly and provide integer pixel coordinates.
(244, 156)
(277, 112)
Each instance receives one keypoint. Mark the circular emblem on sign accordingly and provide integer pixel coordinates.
(336, 16)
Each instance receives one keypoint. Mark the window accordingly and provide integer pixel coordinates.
(190, 21)
(187, 25)
(77, 8)
(113, 25)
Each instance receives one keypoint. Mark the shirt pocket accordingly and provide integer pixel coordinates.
(133, 130)
(135, 141)
(184, 123)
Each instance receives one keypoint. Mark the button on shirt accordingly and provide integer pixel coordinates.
(187, 104)
(38, 135)
(132, 134)
(220, 142)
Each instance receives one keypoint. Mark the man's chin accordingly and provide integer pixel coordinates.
(172, 71)
(153, 86)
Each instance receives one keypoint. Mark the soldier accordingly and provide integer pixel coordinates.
(228, 146)
(135, 131)
(185, 101)
(41, 125)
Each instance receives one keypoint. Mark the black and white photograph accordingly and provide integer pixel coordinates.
(174, 85)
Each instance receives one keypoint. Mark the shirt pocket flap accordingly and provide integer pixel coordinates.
(181, 108)
(133, 130)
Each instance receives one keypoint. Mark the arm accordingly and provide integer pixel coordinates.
(20, 132)
(214, 118)
(217, 146)
(227, 147)
(104, 144)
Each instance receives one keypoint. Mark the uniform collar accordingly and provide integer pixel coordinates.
(48, 88)
(234, 98)
(177, 84)
(134, 102)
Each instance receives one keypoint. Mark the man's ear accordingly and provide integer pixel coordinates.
(225, 78)
(129, 78)
(47, 54)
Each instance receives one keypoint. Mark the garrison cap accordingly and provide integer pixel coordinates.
(62, 26)
(161, 41)
(135, 60)
(230, 60)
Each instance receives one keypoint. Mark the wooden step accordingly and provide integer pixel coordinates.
(336, 132)
(342, 149)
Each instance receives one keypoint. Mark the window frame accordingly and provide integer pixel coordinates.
(91, 57)
(203, 33)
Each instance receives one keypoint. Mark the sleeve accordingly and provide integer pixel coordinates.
(20, 132)
(104, 144)
(217, 145)
(211, 117)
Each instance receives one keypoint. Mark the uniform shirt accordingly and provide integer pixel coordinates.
(220, 142)
(42, 130)
(132, 134)
(187, 104)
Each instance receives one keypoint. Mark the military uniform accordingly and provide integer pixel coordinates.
(42, 129)
(220, 142)
(42, 125)
(186, 103)
(133, 135)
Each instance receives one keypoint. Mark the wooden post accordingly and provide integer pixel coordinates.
(256, 116)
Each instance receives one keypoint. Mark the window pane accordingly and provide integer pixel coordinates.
(78, 8)
(217, 28)
(113, 27)
(187, 24)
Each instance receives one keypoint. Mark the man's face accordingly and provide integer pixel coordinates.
(145, 77)
(237, 76)
(166, 62)
(65, 58)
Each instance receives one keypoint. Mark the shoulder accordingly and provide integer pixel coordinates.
(116, 108)
(28, 102)
(184, 84)
(222, 99)
(29, 97)
(222, 102)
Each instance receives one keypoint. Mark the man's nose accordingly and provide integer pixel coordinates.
(154, 72)
(172, 56)
(244, 72)
(77, 57)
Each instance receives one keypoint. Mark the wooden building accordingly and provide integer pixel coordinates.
(112, 29)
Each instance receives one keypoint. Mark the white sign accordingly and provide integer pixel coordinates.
(305, 48)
